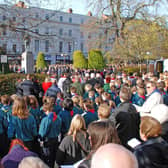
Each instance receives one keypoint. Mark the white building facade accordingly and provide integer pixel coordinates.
(57, 34)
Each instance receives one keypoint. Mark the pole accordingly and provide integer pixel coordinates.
(64, 59)
(3, 68)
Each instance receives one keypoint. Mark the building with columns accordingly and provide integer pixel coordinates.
(57, 34)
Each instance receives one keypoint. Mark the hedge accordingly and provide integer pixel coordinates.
(8, 81)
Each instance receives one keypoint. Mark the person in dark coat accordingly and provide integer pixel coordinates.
(99, 79)
(92, 80)
(66, 86)
(152, 153)
(127, 118)
(18, 88)
(27, 86)
(38, 91)
(53, 90)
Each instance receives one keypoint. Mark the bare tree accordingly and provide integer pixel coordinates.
(17, 17)
(112, 16)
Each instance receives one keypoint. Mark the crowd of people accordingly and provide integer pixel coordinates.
(86, 119)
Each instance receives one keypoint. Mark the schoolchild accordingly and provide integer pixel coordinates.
(6, 110)
(75, 145)
(73, 91)
(139, 98)
(89, 113)
(91, 95)
(51, 100)
(87, 88)
(66, 115)
(77, 108)
(34, 109)
(50, 128)
(23, 124)
(112, 91)
(59, 101)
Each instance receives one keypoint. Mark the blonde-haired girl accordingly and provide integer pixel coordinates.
(75, 145)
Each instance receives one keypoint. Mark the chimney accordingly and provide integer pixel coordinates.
(89, 13)
(21, 4)
(104, 16)
(70, 10)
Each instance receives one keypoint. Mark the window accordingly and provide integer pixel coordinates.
(100, 35)
(4, 46)
(82, 21)
(3, 17)
(60, 32)
(23, 20)
(47, 17)
(23, 34)
(46, 45)
(81, 46)
(37, 15)
(69, 47)
(81, 34)
(60, 46)
(14, 48)
(47, 30)
(36, 45)
(23, 48)
(14, 18)
(61, 18)
(4, 32)
(37, 31)
(89, 36)
(70, 33)
(70, 20)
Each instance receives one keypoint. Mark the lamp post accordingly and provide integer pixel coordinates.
(63, 55)
(148, 53)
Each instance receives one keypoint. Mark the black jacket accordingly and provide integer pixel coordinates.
(66, 87)
(52, 91)
(152, 154)
(127, 122)
(27, 88)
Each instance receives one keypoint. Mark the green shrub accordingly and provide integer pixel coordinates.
(8, 81)
(79, 60)
(95, 59)
(40, 62)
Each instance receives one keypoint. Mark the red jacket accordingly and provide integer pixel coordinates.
(46, 85)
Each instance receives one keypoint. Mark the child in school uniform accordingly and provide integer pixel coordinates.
(34, 109)
(50, 128)
(23, 124)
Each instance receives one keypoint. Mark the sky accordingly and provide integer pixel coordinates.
(78, 6)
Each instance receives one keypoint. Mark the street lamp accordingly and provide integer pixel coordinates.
(63, 55)
(148, 53)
